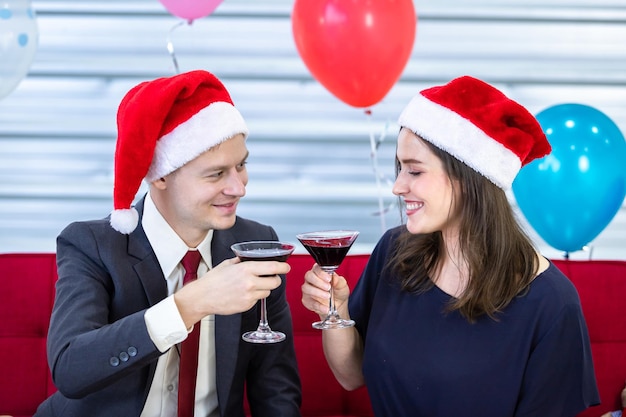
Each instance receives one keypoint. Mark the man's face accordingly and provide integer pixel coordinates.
(204, 193)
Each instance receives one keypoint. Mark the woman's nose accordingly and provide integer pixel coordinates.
(399, 186)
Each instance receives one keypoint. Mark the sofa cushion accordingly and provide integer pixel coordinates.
(28, 293)
(321, 393)
(25, 307)
(601, 286)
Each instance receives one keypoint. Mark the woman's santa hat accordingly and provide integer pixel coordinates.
(478, 125)
(163, 124)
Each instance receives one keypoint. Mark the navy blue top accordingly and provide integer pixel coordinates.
(420, 361)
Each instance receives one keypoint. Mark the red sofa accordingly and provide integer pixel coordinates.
(28, 291)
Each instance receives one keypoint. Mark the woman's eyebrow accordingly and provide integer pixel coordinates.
(410, 161)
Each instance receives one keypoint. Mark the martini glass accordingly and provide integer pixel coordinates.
(329, 248)
(263, 250)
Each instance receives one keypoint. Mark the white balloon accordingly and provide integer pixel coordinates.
(19, 37)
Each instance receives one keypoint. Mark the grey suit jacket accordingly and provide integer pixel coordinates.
(99, 351)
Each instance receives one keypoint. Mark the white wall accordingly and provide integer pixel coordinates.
(310, 166)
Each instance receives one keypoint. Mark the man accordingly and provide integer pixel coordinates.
(121, 310)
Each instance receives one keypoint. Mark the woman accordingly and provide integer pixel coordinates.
(456, 313)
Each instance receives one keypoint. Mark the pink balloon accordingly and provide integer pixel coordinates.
(191, 9)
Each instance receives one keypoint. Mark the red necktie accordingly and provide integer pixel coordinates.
(189, 347)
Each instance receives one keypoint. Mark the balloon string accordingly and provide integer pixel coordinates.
(374, 158)
(170, 46)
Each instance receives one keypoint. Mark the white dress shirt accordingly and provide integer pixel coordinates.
(166, 326)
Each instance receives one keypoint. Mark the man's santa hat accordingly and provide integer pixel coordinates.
(477, 124)
(163, 124)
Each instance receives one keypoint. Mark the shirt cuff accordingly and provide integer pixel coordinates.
(165, 325)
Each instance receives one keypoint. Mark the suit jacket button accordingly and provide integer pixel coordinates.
(114, 361)
(132, 351)
(124, 356)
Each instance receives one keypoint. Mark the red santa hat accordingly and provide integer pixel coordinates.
(163, 124)
(478, 125)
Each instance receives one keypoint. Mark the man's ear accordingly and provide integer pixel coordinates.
(159, 184)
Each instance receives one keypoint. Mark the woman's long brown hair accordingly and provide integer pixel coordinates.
(501, 257)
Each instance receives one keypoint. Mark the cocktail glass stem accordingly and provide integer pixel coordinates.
(263, 324)
(333, 320)
(332, 309)
(263, 333)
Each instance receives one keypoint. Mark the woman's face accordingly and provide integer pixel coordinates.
(424, 186)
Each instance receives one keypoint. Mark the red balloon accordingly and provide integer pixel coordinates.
(357, 49)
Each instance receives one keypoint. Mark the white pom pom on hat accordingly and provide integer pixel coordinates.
(163, 124)
(124, 220)
(477, 124)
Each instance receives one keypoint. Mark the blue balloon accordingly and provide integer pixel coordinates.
(572, 194)
(18, 43)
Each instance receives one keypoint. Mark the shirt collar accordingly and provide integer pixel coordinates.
(167, 245)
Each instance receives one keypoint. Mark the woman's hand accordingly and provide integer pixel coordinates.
(316, 295)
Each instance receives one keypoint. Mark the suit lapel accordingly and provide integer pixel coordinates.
(149, 272)
(227, 328)
(147, 267)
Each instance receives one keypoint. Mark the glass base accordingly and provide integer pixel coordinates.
(263, 336)
(333, 322)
